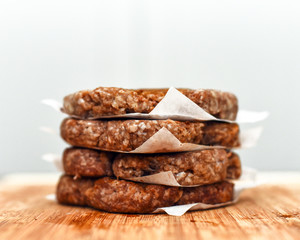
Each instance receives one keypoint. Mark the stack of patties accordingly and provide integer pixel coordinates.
(99, 164)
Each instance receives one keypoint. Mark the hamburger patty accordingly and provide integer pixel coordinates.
(87, 162)
(189, 168)
(122, 196)
(109, 101)
(126, 135)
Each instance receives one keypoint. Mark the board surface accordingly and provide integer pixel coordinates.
(264, 212)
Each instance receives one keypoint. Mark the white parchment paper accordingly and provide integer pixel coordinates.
(164, 141)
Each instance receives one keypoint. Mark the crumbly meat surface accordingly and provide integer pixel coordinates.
(234, 169)
(122, 196)
(71, 191)
(87, 162)
(219, 133)
(208, 194)
(126, 135)
(189, 168)
(108, 101)
(116, 195)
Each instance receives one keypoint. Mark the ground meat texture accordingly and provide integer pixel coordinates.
(189, 168)
(208, 194)
(126, 135)
(85, 162)
(234, 169)
(219, 133)
(122, 196)
(71, 191)
(109, 101)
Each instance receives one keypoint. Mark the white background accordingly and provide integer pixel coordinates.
(51, 48)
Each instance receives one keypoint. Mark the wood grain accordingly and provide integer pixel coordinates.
(265, 212)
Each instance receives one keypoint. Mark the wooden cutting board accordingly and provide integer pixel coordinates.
(265, 212)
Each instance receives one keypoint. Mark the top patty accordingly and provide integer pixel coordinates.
(109, 101)
(127, 135)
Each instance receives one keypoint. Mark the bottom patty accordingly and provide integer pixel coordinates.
(122, 196)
